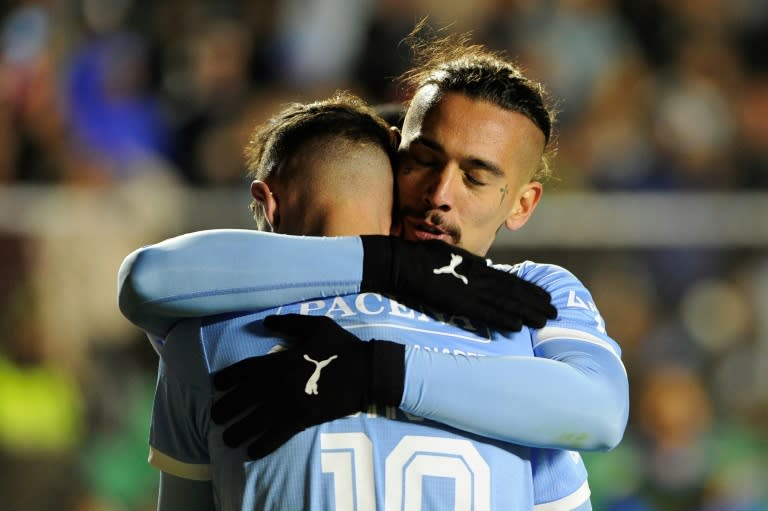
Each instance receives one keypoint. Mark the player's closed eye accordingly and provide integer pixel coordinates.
(473, 179)
(424, 157)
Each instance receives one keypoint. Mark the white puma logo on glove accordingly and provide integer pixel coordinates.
(311, 386)
(451, 268)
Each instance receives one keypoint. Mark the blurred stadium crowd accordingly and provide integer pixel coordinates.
(117, 112)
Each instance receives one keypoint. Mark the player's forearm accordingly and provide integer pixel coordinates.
(579, 402)
(219, 271)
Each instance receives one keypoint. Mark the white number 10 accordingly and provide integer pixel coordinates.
(349, 457)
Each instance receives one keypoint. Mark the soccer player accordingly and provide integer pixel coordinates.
(576, 399)
(340, 149)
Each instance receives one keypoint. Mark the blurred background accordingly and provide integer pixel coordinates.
(122, 123)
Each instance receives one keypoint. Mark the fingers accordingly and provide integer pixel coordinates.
(542, 303)
(236, 401)
(515, 325)
(262, 433)
(506, 321)
(530, 302)
(509, 314)
(239, 371)
(269, 443)
(506, 283)
(534, 291)
(533, 311)
(251, 427)
(530, 317)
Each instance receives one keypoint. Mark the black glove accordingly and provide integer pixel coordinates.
(452, 280)
(328, 374)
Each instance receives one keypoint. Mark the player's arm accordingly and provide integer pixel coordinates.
(576, 400)
(179, 494)
(219, 271)
(574, 394)
(178, 445)
(213, 272)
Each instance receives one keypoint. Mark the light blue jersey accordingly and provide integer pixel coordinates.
(571, 394)
(382, 460)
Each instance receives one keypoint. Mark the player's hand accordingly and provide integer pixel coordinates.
(452, 280)
(328, 373)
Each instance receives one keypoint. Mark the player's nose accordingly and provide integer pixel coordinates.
(441, 190)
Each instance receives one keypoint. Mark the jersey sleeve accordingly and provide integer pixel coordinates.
(229, 270)
(559, 481)
(180, 421)
(573, 394)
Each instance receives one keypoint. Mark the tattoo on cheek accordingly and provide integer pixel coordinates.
(504, 192)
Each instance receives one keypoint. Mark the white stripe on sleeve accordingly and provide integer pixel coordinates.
(567, 503)
(194, 471)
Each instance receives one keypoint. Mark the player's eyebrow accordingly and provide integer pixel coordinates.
(474, 162)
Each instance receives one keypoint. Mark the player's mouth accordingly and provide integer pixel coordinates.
(417, 229)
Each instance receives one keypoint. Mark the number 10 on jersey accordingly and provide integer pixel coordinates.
(349, 458)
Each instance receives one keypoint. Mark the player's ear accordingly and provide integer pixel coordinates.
(266, 200)
(394, 136)
(527, 199)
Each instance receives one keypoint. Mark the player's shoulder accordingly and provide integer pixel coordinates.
(231, 325)
(194, 344)
(549, 276)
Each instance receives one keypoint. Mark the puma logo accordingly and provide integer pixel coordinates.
(451, 268)
(311, 386)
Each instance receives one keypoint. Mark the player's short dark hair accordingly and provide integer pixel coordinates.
(453, 64)
(342, 117)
